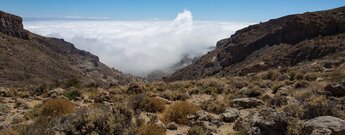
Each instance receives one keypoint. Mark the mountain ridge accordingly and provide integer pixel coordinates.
(232, 55)
(31, 59)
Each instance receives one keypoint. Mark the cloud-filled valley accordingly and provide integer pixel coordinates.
(140, 47)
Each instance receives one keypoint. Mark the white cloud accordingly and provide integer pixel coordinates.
(140, 47)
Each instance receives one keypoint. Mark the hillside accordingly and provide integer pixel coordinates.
(30, 59)
(281, 42)
(268, 85)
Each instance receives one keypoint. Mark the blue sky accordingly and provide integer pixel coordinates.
(224, 10)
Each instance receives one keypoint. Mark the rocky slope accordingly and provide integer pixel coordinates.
(281, 42)
(30, 59)
(304, 100)
(306, 96)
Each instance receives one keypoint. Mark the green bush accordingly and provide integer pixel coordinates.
(72, 95)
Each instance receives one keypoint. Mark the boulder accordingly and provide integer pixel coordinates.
(56, 92)
(172, 126)
(230, 115)
(204, 116)
(205, 119)
(246, 102)
(160, 124)
(337, 90)
(266, 122)
(324, 125)
(59, 91)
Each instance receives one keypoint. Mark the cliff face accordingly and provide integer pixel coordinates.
(279, 42)
(12, 25)
(30, 59)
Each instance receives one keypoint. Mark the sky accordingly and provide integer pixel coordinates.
(144, 36)
(219, 10)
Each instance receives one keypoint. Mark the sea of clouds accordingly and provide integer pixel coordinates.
(140, 47)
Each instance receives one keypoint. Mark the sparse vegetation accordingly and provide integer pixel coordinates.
(4, 108)
(213, 106)
(73, 82)
(318, 106)
(299, 99)
(72, 95)
(293, 110)
(175, 95)
(145, 103)
(256, 82)
(57, 107)
(196, 130)
(34, 112)
(151, 129)
(8, 132)
(277, 86)
(271, 75)
(253, 91)
(278, 101)
(39, 127)
(294, 127)
(178, 112)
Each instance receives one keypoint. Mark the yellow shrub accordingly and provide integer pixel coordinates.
(178, 112)
(318, 105)
(213, 106)
(146, 103)
(57, 107)
(151, 129)
(154, 105)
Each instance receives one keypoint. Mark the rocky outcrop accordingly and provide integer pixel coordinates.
(337, 90)
(324, 125)
(12, 25)
(172, 126)
(263, 122)
(246, 102)
(208, 121)
(230, 115)
(279, 42)
(30, 59)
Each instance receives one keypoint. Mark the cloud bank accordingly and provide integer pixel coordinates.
(140, 47)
